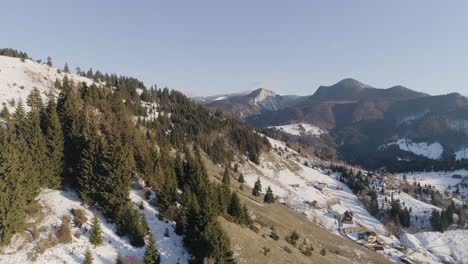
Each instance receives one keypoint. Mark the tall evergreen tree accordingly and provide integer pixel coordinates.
(69, 109)
(95, 232)
(54, 143)
(234, 208)
(14, 193)
(269, 197)
(66, 69)
(119, 259)
(88, 257)
(257, 188)
(114, 179)
(151, 253)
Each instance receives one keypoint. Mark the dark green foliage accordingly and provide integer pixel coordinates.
(234, 208)
(133, 224)
(441, 220)
(54, 144)
(70, 113)
(5, 114)
(49, 61)
(269, 197)
(398, 214)
(119, 259)
(241, 178)
(66, 69)
(151, 253)
(16, 187)
(95, 232)
(14, 53)
(226, 178)
(257, 188)
(88, 259)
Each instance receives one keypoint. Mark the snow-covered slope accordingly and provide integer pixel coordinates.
(18, 78)
(432, 150)
(59, 203)
(461, 154)
(433, 247)
(299, 186)
(300, 129)
(439, 179)
(266, 99)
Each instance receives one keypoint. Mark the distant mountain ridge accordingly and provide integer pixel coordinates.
(360, 117)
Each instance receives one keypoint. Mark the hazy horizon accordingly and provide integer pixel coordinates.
(208, 47)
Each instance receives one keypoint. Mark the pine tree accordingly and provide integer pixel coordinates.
(13, 186)
(269, 197)
(241, 178)
(70, 114)
(90, 158)
(88, 257)
(257, 188)
(234, 208)
(119, 259)
(49, 61)
(151, 253)
(32, 132)
(226, 178)
(66, 69)
(95, 232)
(5, 114)
(133, 224)
(115, 177)
(54, 144)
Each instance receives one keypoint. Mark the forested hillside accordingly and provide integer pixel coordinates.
(95, 139)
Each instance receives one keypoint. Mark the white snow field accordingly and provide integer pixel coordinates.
(59, 203)
(18, 79)
(461, 154)
(435, 247)
(439, 179)
(432, 151)
(300, 129)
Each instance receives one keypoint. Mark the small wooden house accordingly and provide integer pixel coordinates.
(369, 236)
(347, 217)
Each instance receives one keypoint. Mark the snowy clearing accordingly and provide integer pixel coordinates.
(300, 129)
(432, 151)
(18, 79)
(59, 203)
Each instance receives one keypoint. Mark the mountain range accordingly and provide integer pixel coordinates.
(365, 123)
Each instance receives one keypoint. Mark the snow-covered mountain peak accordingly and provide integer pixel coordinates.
(265, 98)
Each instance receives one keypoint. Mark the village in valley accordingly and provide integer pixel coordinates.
(389, 213)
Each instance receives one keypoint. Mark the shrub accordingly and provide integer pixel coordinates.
(35, 232)
(323, 252)
(79, 217)
(287, 249)
(64, 233)
(292, 238)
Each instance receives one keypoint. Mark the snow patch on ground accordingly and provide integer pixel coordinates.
(18, 79)
(300, 129)
(448, 247)
(461, 154)
(439, 179)
(59, 203)
(432, 151)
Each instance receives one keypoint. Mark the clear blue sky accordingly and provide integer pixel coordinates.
(211, 47)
